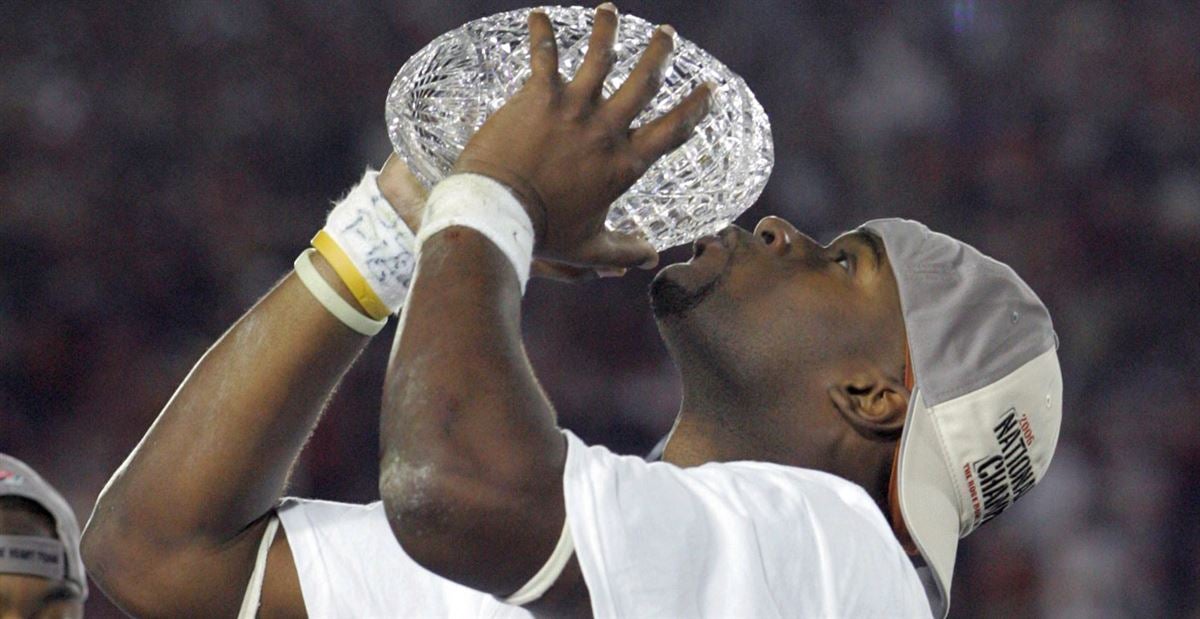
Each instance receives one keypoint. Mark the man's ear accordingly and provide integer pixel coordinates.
(872, 404)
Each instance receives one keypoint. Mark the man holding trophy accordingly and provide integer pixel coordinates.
(849, 410)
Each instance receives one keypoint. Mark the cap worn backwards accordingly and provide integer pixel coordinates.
(984, 418)
(57, 559)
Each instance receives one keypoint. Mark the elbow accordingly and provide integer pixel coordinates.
(418, 512)
(120, 563)
(106, 560)
(466, 526)
(445, 520)
(99, 548)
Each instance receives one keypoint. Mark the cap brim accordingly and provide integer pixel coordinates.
(927, 501)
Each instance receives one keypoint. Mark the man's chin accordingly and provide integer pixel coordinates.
(673, 294)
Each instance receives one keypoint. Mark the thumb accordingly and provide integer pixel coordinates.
(618, 249)
(402, 190)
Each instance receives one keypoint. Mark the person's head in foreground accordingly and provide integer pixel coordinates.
(41, 573)
(898, 358)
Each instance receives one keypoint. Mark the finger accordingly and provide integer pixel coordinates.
(667, 132)
(396, 178)
(645, 79)
(401, 188)
(560, 272)
(619, 250)
(543, 50)
(589, 79)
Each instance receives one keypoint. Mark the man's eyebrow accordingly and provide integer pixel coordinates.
(872, 241)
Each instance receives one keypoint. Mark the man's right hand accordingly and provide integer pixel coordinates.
(567, 153)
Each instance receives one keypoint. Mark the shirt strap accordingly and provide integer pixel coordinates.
(253, 597)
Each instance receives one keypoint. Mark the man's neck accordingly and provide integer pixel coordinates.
(726, 432)
(712, 432)
(692, 445)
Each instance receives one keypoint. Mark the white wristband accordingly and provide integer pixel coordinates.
(484, 205)
(331, 300)
(370, 247)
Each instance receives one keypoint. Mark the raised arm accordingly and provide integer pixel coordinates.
(176, 530)
(472, 462)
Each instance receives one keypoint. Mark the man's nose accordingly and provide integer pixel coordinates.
(779, 235)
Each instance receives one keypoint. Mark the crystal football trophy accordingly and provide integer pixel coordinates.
(443, 94)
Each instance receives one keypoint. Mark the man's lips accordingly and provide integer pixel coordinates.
(712, 244)
(712, 256)
(702, 245)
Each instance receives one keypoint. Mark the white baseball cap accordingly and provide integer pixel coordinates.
(984, 417)
(56, 559)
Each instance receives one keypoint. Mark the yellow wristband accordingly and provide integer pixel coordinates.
(354, 280)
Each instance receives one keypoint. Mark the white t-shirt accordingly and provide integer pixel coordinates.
(350, 565)
(741, 539)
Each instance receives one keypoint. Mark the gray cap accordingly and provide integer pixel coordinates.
(984, 416)
(55, 559)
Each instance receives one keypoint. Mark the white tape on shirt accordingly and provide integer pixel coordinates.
(375, 239)
(484, 205)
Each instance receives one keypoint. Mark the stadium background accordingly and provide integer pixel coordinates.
(162, 162)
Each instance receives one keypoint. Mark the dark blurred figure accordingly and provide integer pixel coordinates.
(41, 574)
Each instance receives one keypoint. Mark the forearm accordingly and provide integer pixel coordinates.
(218, 456)
(472, 457)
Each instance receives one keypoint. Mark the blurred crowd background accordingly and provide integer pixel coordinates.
(162, 162)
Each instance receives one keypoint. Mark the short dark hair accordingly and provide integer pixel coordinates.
(21, 506)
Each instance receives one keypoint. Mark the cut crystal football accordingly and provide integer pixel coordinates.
(442, 95)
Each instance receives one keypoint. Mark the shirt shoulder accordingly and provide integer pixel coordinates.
(742, 538)
(350, 565)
